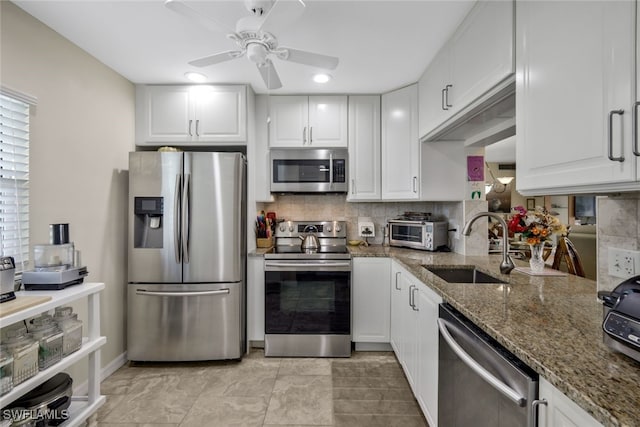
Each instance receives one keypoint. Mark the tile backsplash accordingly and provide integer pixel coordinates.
(618, 226)
(335, 207)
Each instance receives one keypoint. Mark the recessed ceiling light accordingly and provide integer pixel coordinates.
(195, 77)
(321, 78)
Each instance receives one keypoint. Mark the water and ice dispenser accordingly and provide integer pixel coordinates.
(148, 224)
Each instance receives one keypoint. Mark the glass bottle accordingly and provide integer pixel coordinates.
(71, 328)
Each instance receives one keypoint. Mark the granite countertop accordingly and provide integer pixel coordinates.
(552, 323)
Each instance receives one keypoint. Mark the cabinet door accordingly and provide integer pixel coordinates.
(364, 148)
(431, 93)
(427, 303)
(288, 125)
(220, 113)
(481, 52)
(371, 299)
(163, 114)
(400, 145)
(574, 70)
(409, 321)
(561, 411)
(398, 305)
(328, 121)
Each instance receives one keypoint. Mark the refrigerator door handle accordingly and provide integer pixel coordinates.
(186, 216)
(182, 294)
(176, 219)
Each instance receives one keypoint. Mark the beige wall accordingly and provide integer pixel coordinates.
(81, 131)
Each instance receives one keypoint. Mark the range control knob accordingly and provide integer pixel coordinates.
(329, 228)
(282, 228)
(291, 228)
(338, 228)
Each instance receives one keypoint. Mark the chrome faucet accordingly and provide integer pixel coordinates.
(507, 263)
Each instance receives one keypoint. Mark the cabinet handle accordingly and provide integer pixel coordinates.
(190, 122)
(397, 274)
(636, 150)
(353, 186)
(611, 157)
(534, 407)
(304, 135)
(310, 134)
(411, 295)
(442, 100)
(446, 96)
(415, 184)
(415, 288)
(197, 126)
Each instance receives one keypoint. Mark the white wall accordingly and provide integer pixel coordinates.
(81, 132)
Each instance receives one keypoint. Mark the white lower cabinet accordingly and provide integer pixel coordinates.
(560, 411)
(371, 300)
(414, 336)
(427, 303)
(82, 407)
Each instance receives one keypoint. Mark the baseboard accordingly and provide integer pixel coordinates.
(114, 365)
(373, 346)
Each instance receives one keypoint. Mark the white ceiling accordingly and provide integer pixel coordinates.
(382, 45)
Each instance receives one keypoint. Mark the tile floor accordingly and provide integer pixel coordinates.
(368, 389)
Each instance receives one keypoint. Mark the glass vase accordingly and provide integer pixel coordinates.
(536, 262)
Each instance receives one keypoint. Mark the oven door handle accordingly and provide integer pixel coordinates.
(478, 369)
(306, 265)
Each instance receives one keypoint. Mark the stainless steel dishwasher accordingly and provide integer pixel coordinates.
(480, 383)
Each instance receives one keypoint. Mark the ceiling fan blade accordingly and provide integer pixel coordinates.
(308, 58)
(217, 58)
(281, 14)
(269, 75)
(193, 15)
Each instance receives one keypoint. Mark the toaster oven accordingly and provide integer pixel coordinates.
(423, 235)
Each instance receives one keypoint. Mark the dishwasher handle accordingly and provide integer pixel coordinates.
(478, 369)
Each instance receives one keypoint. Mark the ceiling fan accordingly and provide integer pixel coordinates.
(254, 37)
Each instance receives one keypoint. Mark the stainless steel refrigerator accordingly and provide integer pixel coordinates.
(186, 291)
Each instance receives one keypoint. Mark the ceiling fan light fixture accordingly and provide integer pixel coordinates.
(505, 180)
(321, 78)
(195, 77)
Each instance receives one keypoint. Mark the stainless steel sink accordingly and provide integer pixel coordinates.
(462, 274)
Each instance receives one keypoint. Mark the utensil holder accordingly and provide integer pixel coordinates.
(264, 242)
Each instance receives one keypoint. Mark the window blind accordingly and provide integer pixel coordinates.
(14, 179)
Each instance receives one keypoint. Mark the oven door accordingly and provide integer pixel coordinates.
(411, 235)
(308, 308)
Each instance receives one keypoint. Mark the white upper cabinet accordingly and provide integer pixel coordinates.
(308, 121)
(400, 146)
(476, 58)
(364, 148)
(185, 115)
(574, 97)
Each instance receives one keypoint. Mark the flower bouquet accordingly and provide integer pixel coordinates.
(536, 227)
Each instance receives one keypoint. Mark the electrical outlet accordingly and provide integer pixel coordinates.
(623, 262)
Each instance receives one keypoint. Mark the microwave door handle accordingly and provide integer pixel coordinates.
(331, 170)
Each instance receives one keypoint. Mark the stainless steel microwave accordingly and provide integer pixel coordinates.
(309, 170)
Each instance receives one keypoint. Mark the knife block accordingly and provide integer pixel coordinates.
(264, 242)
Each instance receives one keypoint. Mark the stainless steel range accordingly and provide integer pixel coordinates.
(308, 291)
